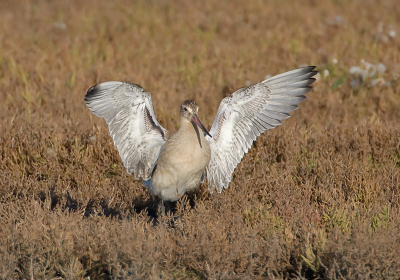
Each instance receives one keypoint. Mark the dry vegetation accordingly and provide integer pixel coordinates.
(315, 198)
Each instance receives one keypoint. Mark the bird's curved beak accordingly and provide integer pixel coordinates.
(196, 121)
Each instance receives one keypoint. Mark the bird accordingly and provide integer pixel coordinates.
(171, 164)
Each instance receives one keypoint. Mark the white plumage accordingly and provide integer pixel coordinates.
(147, 149)
(128, 111)
(248, 112)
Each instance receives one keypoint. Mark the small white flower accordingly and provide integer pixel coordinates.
(60, 25)
(339, 19)
(381, 68)
(356, 70)
(392, 33)
(370, 69)
(374, 82)
(334, 61)
(325, 73)
(367, 71)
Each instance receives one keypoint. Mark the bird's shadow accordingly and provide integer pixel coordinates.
(148, 207)
(153, 208)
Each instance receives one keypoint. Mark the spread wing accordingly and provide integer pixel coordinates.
(248, 112)
(128, 111)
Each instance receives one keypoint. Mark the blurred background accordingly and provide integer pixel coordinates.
(314, 198)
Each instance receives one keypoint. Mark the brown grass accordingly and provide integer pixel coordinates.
(315, 198)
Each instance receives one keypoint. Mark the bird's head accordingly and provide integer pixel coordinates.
(189, 110)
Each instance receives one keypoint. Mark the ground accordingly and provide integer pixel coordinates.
(316, 198)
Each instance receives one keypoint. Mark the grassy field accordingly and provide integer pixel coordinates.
(316, 198)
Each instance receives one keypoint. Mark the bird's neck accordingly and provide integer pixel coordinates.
(186, 127)
(190, 131)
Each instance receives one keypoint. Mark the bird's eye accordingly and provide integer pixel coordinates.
(184, 108)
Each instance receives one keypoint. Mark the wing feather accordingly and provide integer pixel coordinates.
(128, 111)
(248, 112)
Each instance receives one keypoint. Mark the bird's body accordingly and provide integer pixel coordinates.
(171, 165)
(181, 164)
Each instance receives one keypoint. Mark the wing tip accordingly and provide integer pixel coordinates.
(307, 70)
(310, 68)
(313, 73)
(96, 89)
(90, 93)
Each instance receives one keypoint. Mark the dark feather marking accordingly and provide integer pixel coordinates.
(153, 123)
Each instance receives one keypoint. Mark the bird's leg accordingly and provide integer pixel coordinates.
(165, 207)
(162, 208)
